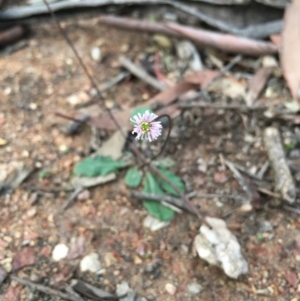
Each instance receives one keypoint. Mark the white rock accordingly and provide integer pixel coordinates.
(122, 289)
(269, 61)
(154, 224)
(218, 246)
(170, 288)
(187, 51)
(60, 252)
(96, 54)
(194, 288)
(90, 263)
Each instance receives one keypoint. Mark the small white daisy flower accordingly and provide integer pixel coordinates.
(145, 127)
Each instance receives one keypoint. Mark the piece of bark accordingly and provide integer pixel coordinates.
(289, 55)
(257, 84)
(284, 182)
(25, 257)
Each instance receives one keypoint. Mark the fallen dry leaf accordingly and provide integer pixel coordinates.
(12, 293)
(257, 84)
(24, 257)
(3, 274)
(164, 98)
(220, 177)
(77, 247)
(159, 75)
(113, 147)
(229, 86)
(289, 55)
(291, 278)
(202, 77)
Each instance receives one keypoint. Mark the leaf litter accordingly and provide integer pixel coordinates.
(107, 216)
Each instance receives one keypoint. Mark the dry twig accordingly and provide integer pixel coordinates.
(222, 106)
(140, 73)
(245, 184)
(162, 198)
(283, 178)
(46, 289)
(225, 42)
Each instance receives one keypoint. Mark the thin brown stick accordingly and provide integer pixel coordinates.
(222, 72)
(225, 42)
(140, 73)
(245, 184)
(72, 197)
(46, 289)
(162, 198)
(291, 209)
(221, 106)
(137, 25)
(79, 121)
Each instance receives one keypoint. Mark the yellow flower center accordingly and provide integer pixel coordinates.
(145, 126)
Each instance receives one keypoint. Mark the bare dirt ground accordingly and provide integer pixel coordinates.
(36, 82)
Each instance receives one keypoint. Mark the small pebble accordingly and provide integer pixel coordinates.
(84, 195)
(33, 106)
(122, 289)
(7, 90)
(194, 288)
(170, 288)
(2, 142)
(60, 252)
(31, 212)
(7, 264)
(96, 54)
(154, 224)
(265, 226)
(137, 260)
(90, 263)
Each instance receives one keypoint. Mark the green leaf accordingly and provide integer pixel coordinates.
(44, 173)
(259, 236)
(133, 177)
(141, 110)
(97, 166)
(165, 163)
(156, 209)
(291, 145)
(172, 178)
